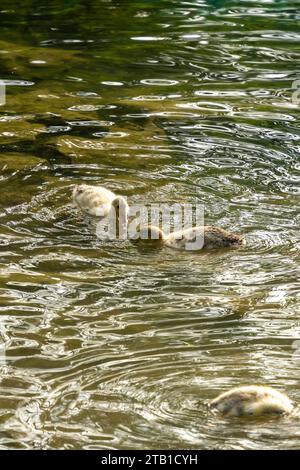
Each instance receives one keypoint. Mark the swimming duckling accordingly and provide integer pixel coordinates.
(252, 400)
(194, 238)
(98, 201)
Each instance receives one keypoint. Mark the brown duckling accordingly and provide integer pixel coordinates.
(194, 238)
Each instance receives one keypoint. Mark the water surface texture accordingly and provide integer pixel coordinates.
(105, 345)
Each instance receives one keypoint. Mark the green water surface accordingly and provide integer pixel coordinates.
(103, 345)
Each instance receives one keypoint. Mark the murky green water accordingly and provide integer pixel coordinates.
(108, 346)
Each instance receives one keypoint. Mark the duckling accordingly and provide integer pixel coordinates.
(194, 238)
(255, 400)
(97, 201)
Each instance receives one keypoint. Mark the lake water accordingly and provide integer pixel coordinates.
(105, 345)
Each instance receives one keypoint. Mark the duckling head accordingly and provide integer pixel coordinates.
(119, 204)
(77, 190)
(119, 201)
(119, 212)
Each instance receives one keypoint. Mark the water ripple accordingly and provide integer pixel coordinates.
(110, 345)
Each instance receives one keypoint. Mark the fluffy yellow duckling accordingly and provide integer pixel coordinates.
(252, 400)
(194, 238)
(97, 201)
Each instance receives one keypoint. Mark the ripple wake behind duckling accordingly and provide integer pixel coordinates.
(192, 239)
(252, 400)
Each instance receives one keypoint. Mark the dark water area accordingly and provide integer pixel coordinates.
(104, 346)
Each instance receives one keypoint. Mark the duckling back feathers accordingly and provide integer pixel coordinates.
(94, 200)
(203, 237)
(252, 400)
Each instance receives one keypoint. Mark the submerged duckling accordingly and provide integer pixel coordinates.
(252, 400)
(97, 201)
(194, 238)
